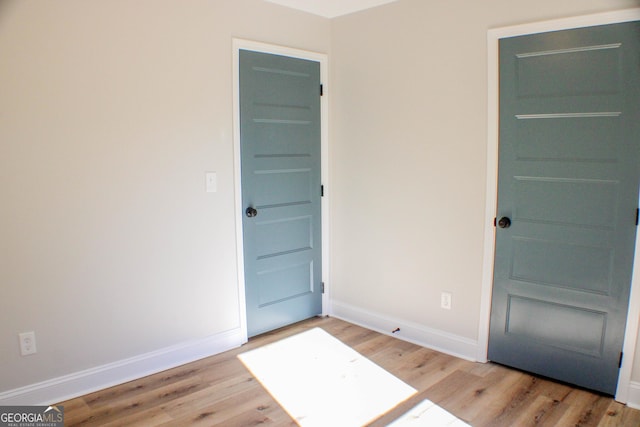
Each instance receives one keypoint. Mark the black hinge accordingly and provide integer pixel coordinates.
(321, 90)
(495, 221)
(620, 361)
(637, 214)
(322, 191)
(323, 287)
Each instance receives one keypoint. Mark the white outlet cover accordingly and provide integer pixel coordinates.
(445, 300)
(27, 343)
(211, 182)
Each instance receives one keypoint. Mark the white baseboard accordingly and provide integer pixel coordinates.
(79, 383)
(633, 399)
(434, 339)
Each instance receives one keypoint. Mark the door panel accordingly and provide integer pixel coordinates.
(567, 201)
(581, 70)
(280, 160)
(568, 180)
(559, 326)
(569, 139)
(571, 266)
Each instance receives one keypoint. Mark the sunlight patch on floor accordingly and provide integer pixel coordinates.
(322, 382)
(427, 413)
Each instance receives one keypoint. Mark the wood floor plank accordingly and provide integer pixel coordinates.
(432, 368)
(351, 335)
(135, 388)
(151, 417)
(76, 410)
(221, 391)
(253, 402)
(511, 394)
(109, 411)
(272, 415)
(617, 415)
(482, 397)
(225, 369)
(370, 346)
(586, 409)
(453, 389)
(482, 369)
(542, 411)
(418, 367)
(392, 354)
(194, 402)
(404, 407)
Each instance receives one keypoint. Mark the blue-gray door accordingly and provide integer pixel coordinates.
(567, 202)
(281, 189)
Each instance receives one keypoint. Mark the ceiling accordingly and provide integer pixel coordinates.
(330, 8)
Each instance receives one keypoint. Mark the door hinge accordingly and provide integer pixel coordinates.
(321, 90)
(620, 361)
(495, 222)
(322, 191)
(637, 214)
(322, 285)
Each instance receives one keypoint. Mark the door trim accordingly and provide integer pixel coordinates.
(322, 59)
(633, 314)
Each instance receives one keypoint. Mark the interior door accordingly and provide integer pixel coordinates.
(281, 189)
(567, 202)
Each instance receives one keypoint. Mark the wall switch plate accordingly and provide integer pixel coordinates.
(211, 182)
(445, 300)
(27, 343)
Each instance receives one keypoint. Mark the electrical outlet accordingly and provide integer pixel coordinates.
(211, 182)
(27, 343)
(445, 300)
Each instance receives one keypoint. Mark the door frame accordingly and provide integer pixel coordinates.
(243, 44)
(633, 314)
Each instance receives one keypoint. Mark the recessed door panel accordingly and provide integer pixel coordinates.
(562, 326)
(284, 282)
(562, 264)
(576, 202)
(284, 235)
(579, 70)
(283, 186)
(568, 139)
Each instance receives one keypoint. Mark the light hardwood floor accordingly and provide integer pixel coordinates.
(220, 391)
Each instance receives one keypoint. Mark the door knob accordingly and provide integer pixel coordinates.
(251, 212)
(504, 222)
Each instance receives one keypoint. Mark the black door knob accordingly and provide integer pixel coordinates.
(504, 222)
(251, 212)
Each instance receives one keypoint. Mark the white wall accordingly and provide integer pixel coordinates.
(408, 143)
(110, 114)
